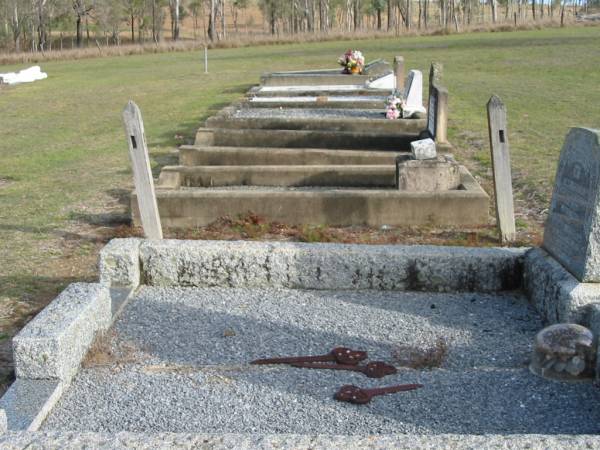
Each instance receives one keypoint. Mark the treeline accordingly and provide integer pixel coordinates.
(41, 25)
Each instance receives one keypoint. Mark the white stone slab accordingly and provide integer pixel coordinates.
(572, 231)
(384, 82)
(29, 75)
(312, 99)
(413, 94)
(325, 87)
(423, 149)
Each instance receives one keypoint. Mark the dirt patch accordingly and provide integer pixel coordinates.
(4, 182)
(107, 350)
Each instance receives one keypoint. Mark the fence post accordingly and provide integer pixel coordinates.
(505, 213)
(142, 173)
(205, 59)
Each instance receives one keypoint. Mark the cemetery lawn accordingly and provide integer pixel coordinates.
(65, 174)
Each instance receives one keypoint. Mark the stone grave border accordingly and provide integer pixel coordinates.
(49, 350)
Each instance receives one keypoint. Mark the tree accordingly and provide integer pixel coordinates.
(82, 10)
(174, 8)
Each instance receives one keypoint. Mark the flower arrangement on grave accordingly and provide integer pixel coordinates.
(352, 61)
(394, 106)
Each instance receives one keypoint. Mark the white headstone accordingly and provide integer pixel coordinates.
(413, 93)
(572, 232)
(423, 149)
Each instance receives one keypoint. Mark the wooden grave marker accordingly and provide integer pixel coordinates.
(142, 173)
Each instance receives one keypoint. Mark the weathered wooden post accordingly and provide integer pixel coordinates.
(505, 213)
(142, 173)
(399, 72)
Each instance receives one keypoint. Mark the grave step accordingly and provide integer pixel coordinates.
(313, 79)
(190, 155)
(330, 175)
(363, 140)
(194, 207)
(293, 91)
(317, 102)
(315, 121)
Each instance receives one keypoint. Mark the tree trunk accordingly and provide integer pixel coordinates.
(79, 32)
(223, 26)
(494, 7)
(132, 29)
(211, 20)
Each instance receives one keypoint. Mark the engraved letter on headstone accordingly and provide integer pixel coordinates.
(572, 233)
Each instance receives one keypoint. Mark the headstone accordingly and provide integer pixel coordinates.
(435, 75)
(377, 68)
(399, 72)
(572, 232)
(437, 114)
(413, 93)
(423, 149)
(431, 113)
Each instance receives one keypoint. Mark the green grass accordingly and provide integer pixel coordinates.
(64, 152)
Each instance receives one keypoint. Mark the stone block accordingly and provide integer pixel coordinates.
(3, 422)
(119, 263)
(329, 266)
(430, 175)
(423, 149)
(27, 403)
(556, 294)
(572, 231)
(54, 343)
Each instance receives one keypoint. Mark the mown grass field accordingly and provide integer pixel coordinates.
(64, 170)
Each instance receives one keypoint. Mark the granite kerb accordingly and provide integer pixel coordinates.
(311, 266)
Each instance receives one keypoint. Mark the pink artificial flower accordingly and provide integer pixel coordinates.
(392, 113)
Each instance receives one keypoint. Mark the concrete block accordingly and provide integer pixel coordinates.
(554, 292)
(27, 403)
(119, 263)
(430, 175)
(284, 175)
(329, 266)
(54, 343)
(423, 149)
(256, 156)
(183, 208)
(364, 140)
